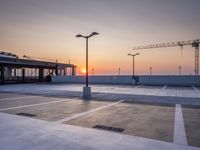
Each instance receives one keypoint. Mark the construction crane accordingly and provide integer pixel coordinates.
(193, 43)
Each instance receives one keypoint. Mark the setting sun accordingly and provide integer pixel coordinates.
(83, 70)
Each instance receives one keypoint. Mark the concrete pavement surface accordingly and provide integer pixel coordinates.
(54, 116)
(20, 133)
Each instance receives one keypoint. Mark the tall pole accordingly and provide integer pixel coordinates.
(195, 44)
(86, 62)
(133, 66)
(133, 62)
(196, 69)
(150, 71)
(86, 89)
(179, 70)
(119, 71)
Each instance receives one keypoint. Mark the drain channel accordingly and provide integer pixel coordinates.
(102, 127)
(26, 114)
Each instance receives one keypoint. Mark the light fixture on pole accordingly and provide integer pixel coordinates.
(87, 89)
(179, 70)
(119, 71)
(133, 55)
(150, 71)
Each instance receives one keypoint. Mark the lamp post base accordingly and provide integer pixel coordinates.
(133, 81)
(86, 93)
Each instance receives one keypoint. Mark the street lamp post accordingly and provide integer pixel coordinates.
(150, 72)
(179, 70)
(133, 55)
(119, 71)
(87, 89)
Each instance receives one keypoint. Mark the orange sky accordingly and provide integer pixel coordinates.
(47, 29)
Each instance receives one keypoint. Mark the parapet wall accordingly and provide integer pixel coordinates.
(147, 80)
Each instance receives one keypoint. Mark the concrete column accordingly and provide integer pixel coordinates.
(2, 74)
(73, 71)
(56, 70)
(23, 74)
(41, 74)
(65, 71)
(7, 73)
(61, 70)
(35, 72)
(15, 73)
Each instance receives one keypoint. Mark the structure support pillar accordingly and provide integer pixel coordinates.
(73, 71)
(15, 73)
(2, 74)
(56, 71)
(23, 75)
(41, 73)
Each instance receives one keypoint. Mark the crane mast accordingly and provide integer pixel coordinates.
(193, 43)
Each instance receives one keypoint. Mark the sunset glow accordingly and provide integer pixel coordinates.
(83, 71)
(47, 29)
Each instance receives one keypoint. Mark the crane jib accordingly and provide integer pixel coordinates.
(193, 43)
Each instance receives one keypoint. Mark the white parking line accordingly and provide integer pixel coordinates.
(39, 92)
(32, 105)
(42, 92)
(160, 91)
(11, 98)
(195, 88)
(164, 87)
(69, 134)
(139, 86)
(87, 112)
(179, 128)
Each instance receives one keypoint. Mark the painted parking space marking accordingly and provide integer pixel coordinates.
(179, 127)
(87, 112)
(139, 86)
(24, 91)
(161, 90)
(13, 98)
(164, 87)
(195, 88)
(32, 105)
(67, 134)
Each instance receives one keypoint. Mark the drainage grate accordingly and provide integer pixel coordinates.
(26, 114)
(108, 128)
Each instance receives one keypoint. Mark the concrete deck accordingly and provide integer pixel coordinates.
(150, 121)
(60, 119)
(20, 133)
(165, 90)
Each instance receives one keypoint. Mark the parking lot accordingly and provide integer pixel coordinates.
(119, 109)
